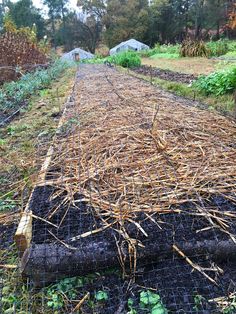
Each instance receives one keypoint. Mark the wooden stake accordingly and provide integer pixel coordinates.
(23, 233)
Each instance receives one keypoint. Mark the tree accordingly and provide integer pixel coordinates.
(57, 12)
(24, 14)
(3, 6)
(81, 31)
(232, 17)
(95, 8)
(126, 19)
(215, 15)
(170, 20)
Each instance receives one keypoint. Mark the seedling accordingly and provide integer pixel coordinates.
(152, 301)
(101, 295)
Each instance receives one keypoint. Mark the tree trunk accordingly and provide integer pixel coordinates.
(53, 32)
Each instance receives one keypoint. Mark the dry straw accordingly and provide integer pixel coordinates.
(131, 149)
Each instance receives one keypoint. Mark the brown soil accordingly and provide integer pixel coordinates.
(165, 74)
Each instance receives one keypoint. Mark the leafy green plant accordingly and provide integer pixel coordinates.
(96, 60)
(230, 308)
(217, 83)
(67, 287)
(101, 295)
(12, 130)
(231, 44)
(152, 301)
(6, 205)
(165, 56)
(2, 142)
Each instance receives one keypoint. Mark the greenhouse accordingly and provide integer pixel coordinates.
(131, 44)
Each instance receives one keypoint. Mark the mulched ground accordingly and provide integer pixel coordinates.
(167, 75)
(171, 277)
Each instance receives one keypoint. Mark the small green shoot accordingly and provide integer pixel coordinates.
(101, 296)
(198, 301)
(130, 304)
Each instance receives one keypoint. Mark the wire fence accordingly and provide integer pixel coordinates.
(134, 207)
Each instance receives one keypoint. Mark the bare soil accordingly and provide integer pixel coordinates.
(165, 74)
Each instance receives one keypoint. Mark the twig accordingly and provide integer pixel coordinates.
(81, 302)
(196, 267)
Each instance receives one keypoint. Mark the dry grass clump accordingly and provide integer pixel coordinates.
(194, 48)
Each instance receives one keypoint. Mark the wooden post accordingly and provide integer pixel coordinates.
(23, 233)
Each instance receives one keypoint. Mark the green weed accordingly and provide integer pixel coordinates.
(165, 56)
(56, 293)
(15, 129)
(130, 304)
(198, 301)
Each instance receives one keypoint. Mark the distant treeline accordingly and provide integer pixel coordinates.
(113, 21)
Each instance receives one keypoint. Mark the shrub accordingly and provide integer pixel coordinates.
(191, 48)
(231, 45)
(217, 48)
(218, 83)
(126, 59)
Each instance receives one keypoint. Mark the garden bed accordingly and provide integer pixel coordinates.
(167, 75)
(140, 183)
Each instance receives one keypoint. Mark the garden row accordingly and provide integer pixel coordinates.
(14, 95)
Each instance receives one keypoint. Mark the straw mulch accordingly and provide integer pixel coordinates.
(133, 149)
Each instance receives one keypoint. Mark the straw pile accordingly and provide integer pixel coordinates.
(132, 149)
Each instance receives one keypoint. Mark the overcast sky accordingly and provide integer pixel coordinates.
(38, 3)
